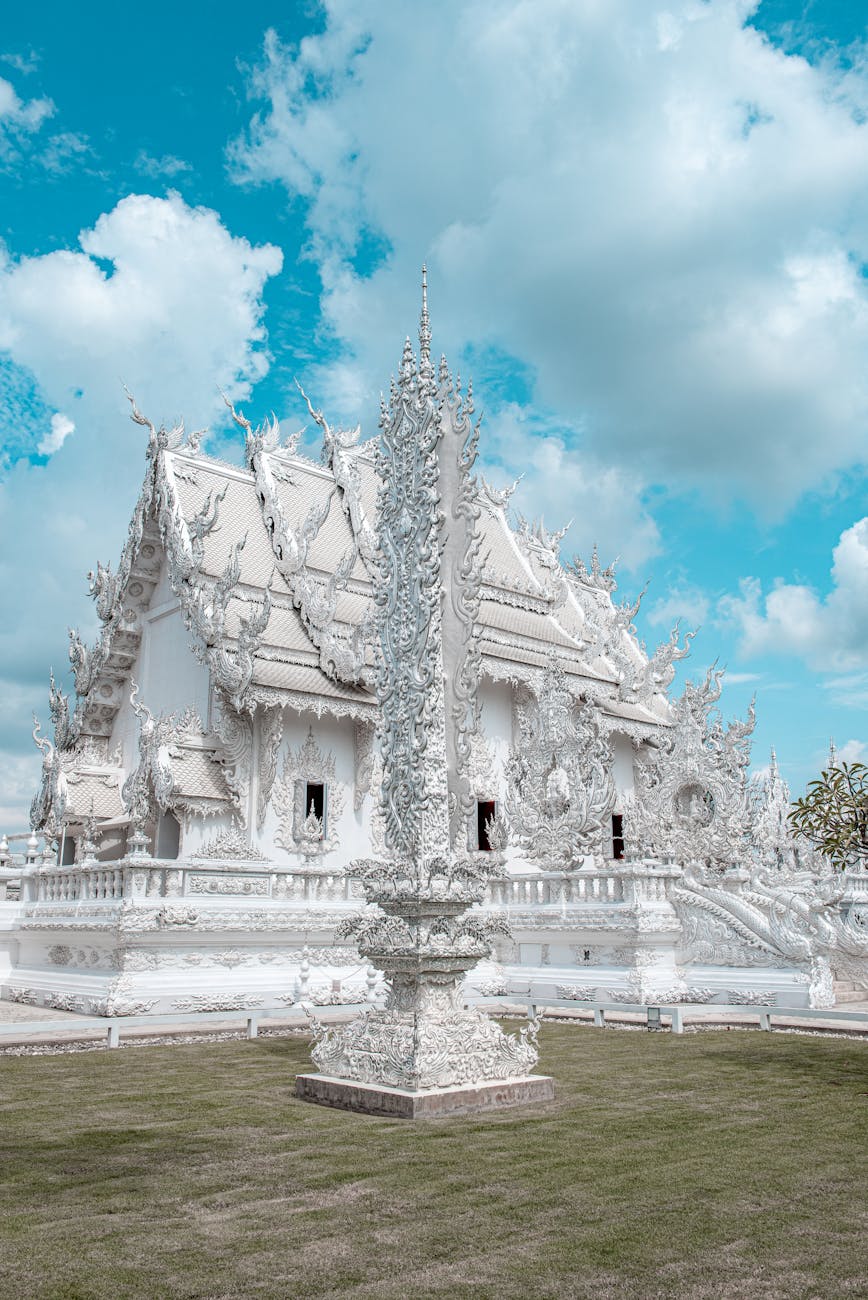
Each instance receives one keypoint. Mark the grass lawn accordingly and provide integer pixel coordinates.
(727, 1164)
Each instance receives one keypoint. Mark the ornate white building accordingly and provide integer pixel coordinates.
(217, 772)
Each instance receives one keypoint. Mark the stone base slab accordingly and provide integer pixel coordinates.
(401, 1103)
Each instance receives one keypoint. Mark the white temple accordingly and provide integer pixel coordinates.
(207, 792)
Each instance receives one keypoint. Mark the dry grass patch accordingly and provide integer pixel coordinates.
(717, 1165)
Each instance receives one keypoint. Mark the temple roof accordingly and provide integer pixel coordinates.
(274, 567)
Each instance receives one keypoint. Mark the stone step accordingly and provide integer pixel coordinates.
(844, 986)
(851, 995)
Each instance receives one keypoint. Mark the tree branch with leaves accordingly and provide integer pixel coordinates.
(833, 814)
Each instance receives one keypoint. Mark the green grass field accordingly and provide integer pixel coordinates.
(710, 1165)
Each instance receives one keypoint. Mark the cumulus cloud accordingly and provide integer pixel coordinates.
(660, 213)
(852, 751)
(160, 296)
(829, 632)
(564, 485)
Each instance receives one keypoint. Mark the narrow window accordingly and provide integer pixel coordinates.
(315, 802)
(486, 811)
(67, 852)
(617, 837)
(168, 836)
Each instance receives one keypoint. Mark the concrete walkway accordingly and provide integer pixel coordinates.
(61, 1027)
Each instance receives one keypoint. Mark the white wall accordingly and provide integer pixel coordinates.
(335, 736)
(622, 768)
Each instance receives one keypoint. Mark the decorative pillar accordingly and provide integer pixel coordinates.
(647, 894)
(424, 1052)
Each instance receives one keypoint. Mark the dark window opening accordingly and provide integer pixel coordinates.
(618, 836)
(67, 851)
(315, 801)
(486, 811)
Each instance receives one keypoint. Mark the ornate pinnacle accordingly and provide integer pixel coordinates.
(426, 371)
(408, 364)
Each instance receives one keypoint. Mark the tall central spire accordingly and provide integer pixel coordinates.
(424, 1048)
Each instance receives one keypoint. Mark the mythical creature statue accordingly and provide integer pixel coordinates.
(150, 786)
(65, 728)
(794, 915)
(49, 803)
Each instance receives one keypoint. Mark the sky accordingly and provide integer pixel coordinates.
(646, 230)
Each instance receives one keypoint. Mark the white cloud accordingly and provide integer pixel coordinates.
(16, 790)
(683, 601)
(162, 297)
(742, 679)
(19, 118)
(829, 632)
(63, 152)
(167, 165)
(849, 691)
(660, 213)
(561, 484)
(852, 751)
(61, 428)
(23, 63)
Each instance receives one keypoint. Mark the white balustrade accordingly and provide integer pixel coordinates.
(547, 890)
(149, 879)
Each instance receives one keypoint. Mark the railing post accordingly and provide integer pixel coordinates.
(253, 1026)
(114, 1034)
(599, 1017)
(677, 1023)
(765, 1020)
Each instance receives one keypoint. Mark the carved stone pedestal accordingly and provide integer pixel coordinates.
(427, 1103)
(424, 1042)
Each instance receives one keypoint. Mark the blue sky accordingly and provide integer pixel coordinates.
(646, 227)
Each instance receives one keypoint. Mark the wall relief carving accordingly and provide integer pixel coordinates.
(302, 829)
(559, 774)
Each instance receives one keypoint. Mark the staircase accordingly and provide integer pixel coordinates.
(847, 991)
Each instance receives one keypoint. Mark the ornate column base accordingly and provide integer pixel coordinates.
(424, 1053)
(424, 1103)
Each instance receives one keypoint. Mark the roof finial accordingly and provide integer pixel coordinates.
(425, 369)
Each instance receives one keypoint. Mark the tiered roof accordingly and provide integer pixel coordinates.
(274, 566)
